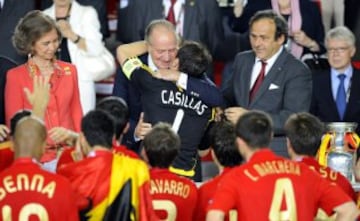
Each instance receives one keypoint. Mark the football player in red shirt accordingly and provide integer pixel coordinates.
(304, 132)
(269, 187)
(174, 197)
(118, 186)
(118, 109)
(27, 191)
(226, 156)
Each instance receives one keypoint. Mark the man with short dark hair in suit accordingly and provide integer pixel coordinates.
(268, 78)
(328, 85)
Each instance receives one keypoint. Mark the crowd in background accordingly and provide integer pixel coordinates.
(287, 68)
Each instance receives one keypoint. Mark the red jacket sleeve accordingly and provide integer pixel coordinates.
(76, 110)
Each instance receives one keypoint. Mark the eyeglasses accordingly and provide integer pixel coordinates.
(337, 50)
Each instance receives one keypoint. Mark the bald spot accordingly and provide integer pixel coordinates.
(30, 134)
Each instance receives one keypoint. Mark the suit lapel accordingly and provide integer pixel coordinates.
(270, 76)
(353, 103)
(189, 13)
(157, 9)
(328, 95)
(6, 9)
(245, 83)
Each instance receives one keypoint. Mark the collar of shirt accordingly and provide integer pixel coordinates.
(151, 64)
(335, 81)
(26, 160)
(2, 3)
(178, 12)
(257, 66)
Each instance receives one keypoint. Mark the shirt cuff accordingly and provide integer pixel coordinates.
(136, 139)
(182, 81)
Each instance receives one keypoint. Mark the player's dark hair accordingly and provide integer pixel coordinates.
(98, 128)
(161, 145)
(194, 58)
(281, 26)
(118, 109)
(223, 143)
(16, 118)
(255, 128)
(304, 132)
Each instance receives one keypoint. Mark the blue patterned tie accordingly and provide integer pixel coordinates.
(341, 96)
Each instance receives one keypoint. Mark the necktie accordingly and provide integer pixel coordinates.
(258, 81)
(341, 96)
(171, 15)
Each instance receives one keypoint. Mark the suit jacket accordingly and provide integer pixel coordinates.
(10, 14)
(285, 90)
(198, 24)
(202, 88)
(323, 103)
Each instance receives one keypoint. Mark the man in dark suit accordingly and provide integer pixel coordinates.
(268, 78)
(162, 44)
(326, 101)
(10, 13)
(199, 21)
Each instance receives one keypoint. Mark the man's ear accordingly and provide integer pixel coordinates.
(289, 148)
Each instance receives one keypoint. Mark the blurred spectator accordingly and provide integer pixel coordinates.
(10, 13)
(332, 12)
(337, 98)
(80, 29)
(306, 31)
(352, 21)
(98, 5)
(37, 36)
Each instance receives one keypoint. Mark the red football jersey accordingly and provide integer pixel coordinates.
(205, 194)
(69, 155)
(6, 155)
(123, 150)
(174, 197)
(29, 193)
(331, 175)
(269, 187)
